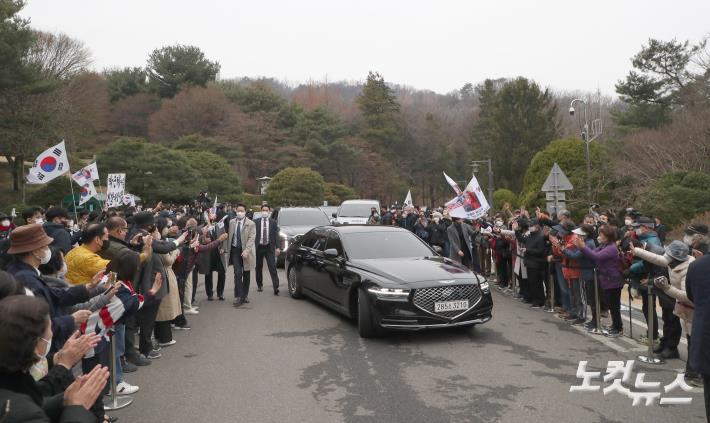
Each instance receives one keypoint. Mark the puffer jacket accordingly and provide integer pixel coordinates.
(676, 276)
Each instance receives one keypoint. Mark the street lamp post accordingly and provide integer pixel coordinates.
(596, 132)
(474, 165)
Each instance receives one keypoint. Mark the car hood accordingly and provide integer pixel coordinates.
(412, 270)
(296, 230)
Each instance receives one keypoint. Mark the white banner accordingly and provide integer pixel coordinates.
(51, 163)
(469, 204)
(115, 189)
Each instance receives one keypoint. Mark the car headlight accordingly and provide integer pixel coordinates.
(484, 285)
(284, 239)
(389, 294)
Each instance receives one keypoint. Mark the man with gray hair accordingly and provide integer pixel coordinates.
(564, 216)
(696, 237)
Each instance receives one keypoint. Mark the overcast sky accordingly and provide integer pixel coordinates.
(436, 44)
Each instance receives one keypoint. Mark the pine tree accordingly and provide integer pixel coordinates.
(380, 110)
(516, 121)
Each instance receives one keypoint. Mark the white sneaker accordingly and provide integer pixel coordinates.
(125, 388)
(167, 344)
(191, 311)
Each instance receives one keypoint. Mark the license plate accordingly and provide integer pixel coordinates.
(450, 306)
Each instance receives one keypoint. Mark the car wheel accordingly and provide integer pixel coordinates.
(365, 324)
(294, 287)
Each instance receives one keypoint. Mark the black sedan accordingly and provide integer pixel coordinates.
(295, 221)
(386, 278)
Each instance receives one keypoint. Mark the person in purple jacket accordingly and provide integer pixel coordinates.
(607, 259)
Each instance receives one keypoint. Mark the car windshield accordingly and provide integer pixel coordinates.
(313, 217)
(384, 245)
(356, 210)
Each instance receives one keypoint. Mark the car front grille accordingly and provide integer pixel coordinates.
(425, 298)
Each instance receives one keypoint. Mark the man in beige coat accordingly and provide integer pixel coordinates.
(239, 250)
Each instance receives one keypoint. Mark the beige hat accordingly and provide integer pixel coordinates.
(28, 238)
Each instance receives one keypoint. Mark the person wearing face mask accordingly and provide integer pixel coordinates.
(25, 336)
(608, 260)
(421, 228)
(461, 236)
(571, 272)
(437, 229)
(151, 282)
(84, 261)
(587, 234)
(696, 237)
(55, 270)
(6, 226)
(627, 230)
(267, 241)
(32, 215)
(214, 261)
(170, 307)
(29, 245)
(677, 259)
(501, 253)
(239, 250)
(535, 255)
(641, 272)
(56, 228)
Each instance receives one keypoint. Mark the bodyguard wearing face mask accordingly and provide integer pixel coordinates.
(239, 251)
(29, 245)
(267, 241)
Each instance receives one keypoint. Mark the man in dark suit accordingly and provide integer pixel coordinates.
(267, 247)
(214, 259)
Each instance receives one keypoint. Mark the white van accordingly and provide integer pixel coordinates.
(355, 212)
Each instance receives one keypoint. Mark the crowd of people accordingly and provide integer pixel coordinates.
(72, 283)
(539, 258)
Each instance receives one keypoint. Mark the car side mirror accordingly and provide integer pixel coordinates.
(297, 238)
(335, 215)
(331, 253)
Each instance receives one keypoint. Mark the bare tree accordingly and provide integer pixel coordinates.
(58, 56)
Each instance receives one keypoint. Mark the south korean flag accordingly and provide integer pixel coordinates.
(51, 163)
(88, 190)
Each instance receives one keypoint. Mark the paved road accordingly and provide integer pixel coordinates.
(283, 360)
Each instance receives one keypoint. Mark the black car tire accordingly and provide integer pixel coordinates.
(294, 287)
(365, 325)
